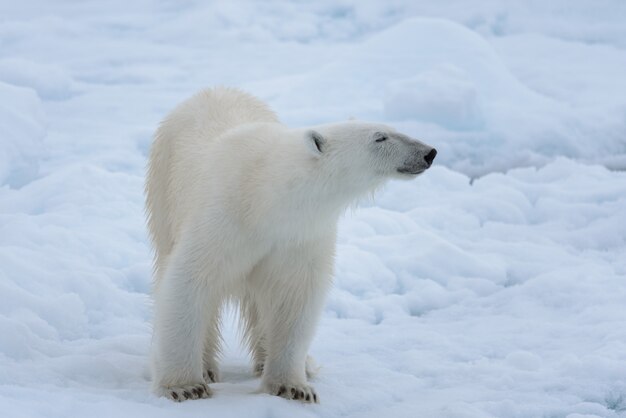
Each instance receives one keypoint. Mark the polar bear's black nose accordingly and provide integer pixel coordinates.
(430, 156)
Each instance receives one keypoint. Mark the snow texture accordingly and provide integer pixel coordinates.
(492, 286)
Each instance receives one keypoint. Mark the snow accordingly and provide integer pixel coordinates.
(492, 286)
(23, 127)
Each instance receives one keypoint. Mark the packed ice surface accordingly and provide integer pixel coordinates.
(492, 286)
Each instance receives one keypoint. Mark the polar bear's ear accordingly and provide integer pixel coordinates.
(315, 142)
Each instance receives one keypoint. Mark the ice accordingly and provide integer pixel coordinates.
(492, 286)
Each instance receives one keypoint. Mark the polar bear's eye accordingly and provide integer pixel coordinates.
(380, 137)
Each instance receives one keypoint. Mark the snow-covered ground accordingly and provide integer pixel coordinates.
(492, 286)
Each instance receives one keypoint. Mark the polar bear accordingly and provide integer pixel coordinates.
(242, 208)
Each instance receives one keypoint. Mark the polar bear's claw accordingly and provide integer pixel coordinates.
(258, 369)
(210, 376)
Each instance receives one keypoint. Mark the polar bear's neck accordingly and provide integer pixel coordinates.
(280, 182)
(308, 196)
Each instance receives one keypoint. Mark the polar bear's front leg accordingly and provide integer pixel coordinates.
(290, 305)
(182, 301)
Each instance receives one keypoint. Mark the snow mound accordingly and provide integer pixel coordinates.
(49, 81)
(22, 124)
(444, 96)
(437, 79)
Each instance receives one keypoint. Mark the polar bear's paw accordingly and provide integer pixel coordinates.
(186, 392)
(299, 392)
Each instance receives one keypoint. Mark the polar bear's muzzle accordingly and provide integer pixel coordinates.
(420, 161)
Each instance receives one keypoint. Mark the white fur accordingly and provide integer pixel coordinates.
(241, 208)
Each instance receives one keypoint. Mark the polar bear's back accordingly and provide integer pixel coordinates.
(179, 152)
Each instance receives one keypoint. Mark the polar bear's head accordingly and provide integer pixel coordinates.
(369, 150)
